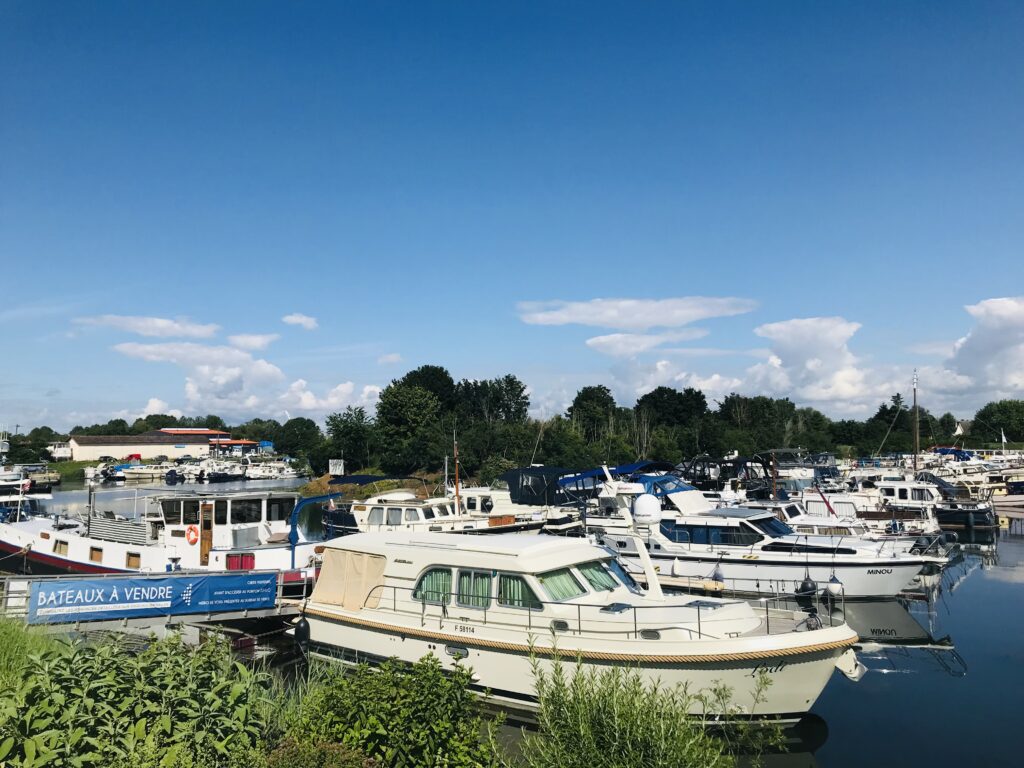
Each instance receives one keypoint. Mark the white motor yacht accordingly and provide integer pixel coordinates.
(495, 603)
(750, 551)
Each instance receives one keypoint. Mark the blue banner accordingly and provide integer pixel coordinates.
(68, 600)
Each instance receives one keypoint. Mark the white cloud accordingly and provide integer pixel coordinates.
(991, 355)
(632, 344)
(218, 378)
(153, 326)
(297, 318)
(155, 405)
(253, 341)
(391, 357)
(632, 314)
(811, 363)
(634, 380)
(299, 397)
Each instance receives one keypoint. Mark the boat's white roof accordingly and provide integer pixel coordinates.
(525, 552)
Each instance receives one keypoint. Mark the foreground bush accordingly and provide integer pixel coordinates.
(403, 716)
(614, 719)
(168, 705)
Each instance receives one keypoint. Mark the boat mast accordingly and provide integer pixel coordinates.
(458, 504)
(917, 426)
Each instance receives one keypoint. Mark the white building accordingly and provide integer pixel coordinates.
(148, 446)
(59, 451)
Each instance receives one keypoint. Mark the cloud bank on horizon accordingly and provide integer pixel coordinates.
(812, 360)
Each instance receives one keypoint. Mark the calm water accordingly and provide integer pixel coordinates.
(946, 675)
(939, 707)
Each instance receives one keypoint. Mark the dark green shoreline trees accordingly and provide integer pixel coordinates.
(417, 415)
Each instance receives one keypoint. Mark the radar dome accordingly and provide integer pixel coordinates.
(646, 510)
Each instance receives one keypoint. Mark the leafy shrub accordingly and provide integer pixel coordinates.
(296, 753)
(613, 718)
(101, 704)
(400, 715)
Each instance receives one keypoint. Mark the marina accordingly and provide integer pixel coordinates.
(927, 639)
(530, 385)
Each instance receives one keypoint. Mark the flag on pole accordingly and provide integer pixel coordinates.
(959, 430)
(1003, 434)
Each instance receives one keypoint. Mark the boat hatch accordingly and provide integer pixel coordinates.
(615, 608)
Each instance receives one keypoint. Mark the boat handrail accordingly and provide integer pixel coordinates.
(785, 618)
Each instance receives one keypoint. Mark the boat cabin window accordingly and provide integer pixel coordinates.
(486, 504)
(96, 554)
(560, 584)
(279, 509)
(888, 491)
(376, 516)
(771, 526)
(451, 509)
(903, 493)
(220, 512)
(172, 512)
(133, 560)
(440, 511)
(60, 547)
(471, 503)
(514, 592)
(246, 511)
(597, 576)
(710, 534)
(394, 515)
(474, 589)
(922, 494)
(190, 512)
(411, 516)
(434, 586)
(428, 513)
(792, 510)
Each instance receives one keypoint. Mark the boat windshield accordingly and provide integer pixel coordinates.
(621, 575)
(560, 584)
(662, 485)
(772, 526)
(598, 576)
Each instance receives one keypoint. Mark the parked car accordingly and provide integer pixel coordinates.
(159, 458)
(107, 459)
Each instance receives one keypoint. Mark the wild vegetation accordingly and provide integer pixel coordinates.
(169, 705)
(417, 415)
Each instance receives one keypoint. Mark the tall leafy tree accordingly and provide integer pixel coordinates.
(592, 410)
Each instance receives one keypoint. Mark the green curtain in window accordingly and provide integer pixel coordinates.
(474, 589)
(560, 584)
(512, 590)
(435, 586)
(598, 577)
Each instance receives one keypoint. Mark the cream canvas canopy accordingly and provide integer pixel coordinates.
(352, 580)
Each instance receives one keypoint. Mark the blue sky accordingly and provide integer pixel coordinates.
(802, 199)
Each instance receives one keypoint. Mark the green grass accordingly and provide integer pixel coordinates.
(17, 643)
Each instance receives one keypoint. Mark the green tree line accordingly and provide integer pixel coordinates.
(418, 416)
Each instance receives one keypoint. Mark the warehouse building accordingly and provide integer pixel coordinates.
(148, 445)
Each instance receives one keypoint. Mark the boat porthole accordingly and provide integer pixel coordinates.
(650, 634)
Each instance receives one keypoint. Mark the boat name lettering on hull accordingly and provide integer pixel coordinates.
(766, 668)
(879, 571)
(465, 628)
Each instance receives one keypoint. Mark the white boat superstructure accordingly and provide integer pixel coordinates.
(218, 532)
(750, 551)
(405, 511)
(492, 603)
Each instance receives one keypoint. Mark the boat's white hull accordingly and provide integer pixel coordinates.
(884, 577)
(502, 666)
